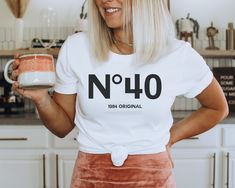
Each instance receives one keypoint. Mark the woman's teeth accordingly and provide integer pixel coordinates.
(111, 10)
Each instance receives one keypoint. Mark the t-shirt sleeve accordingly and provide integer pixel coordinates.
(197, 75)
(66, 81)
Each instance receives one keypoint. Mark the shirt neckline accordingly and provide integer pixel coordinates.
(125, 57)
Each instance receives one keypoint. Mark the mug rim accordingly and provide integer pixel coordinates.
(27, 55)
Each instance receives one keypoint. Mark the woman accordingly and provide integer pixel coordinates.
(117, 84)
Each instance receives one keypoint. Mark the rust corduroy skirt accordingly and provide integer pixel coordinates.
(138, 171)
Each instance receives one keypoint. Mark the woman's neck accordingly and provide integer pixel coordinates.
(121, 43)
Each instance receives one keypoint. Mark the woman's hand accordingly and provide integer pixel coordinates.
(36, 95)
(214, 108)
(168, 150)
(57, 113)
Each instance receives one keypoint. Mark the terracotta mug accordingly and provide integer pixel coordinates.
(35, 71)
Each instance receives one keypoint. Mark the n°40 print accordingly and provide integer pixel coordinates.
(134, 89)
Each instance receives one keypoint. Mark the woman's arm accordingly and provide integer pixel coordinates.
(213, 109)
(57, 113)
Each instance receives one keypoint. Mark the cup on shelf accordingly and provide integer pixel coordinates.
(35, 71)
(49, 22)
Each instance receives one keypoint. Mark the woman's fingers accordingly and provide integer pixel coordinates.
(168, 149)
(22, 92)
(15, 70)
(15, 64)
(14, 74)
(15, 87)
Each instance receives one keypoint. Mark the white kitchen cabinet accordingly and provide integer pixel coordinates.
(22, 170)
(24, 137)
(228, 156)
(22, 156)
(209, 139)
(229, 169)
(65, 154)
(195, 160)
(68, 142)
(206, 160)
(32, 157)
(64, 169)
(194, 169)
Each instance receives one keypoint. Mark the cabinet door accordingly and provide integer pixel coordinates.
(67, 142)
(229, 156)
(22, 171)
(25, 137)
(64, 169)
(229, 169)
(194, 169)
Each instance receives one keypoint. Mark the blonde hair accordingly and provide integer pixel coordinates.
(148, 20)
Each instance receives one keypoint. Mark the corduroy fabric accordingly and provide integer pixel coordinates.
(138, 171)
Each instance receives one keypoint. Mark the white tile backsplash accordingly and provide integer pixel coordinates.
(7, 35)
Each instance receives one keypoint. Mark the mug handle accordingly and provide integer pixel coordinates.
(6, 72)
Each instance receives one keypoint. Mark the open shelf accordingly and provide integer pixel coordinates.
(55, 51)
(11, 53)
(217, 53)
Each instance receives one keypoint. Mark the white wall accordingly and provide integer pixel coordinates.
(204, 11)
(67, 11)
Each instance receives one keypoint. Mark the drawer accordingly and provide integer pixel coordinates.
(228, 137)
(23, 137)
(207, 139)
(67, 142)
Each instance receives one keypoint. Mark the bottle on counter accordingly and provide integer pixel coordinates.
(230, 37)
(11, 98)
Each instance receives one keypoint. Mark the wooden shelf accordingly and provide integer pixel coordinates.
(11, 53)
(55, 51)
(217, 53)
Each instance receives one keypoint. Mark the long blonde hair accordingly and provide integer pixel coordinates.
(151, 25)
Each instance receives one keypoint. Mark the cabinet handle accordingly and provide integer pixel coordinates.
(193, 138)
(214, 169)
(44, 170)
(57, 171)
(227, 184)
(13, 139)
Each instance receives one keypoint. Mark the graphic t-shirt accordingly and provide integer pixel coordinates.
(123, 106)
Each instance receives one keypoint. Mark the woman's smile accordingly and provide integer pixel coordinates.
(111, 11)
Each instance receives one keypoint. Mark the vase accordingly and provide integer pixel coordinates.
(19, 32)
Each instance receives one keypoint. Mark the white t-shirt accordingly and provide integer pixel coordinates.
(124, 107)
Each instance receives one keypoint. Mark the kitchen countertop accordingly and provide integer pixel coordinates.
(31, 118)
(178, 115)
(20, 119)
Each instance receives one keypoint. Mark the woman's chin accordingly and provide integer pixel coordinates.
(114, 25)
